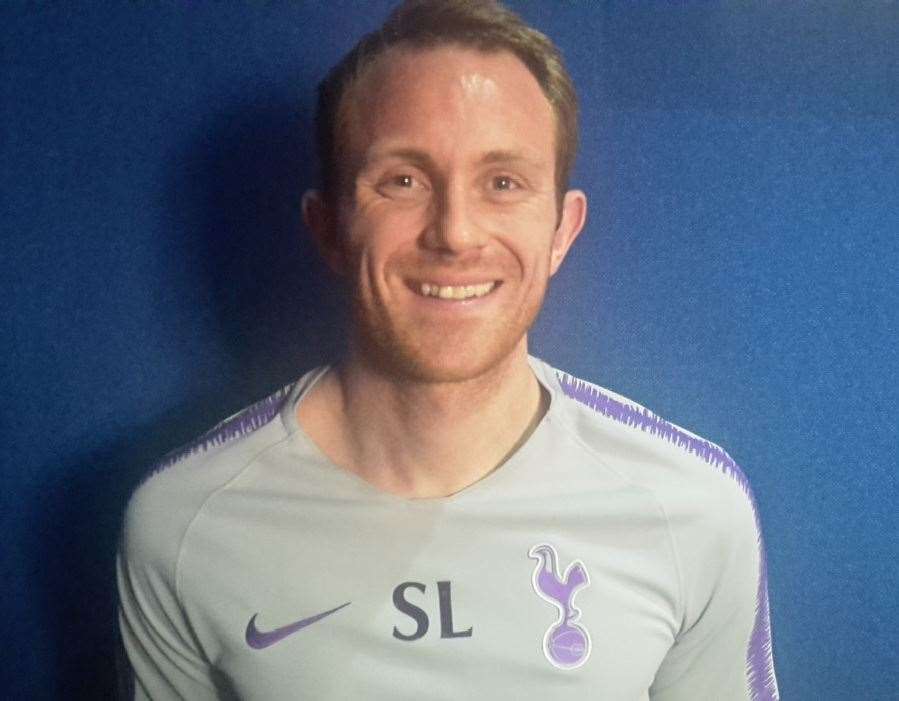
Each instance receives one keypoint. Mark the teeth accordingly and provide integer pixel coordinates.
(459, 292)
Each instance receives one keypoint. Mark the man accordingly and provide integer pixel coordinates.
(439, 515)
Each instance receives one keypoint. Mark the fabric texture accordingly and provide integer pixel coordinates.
(614, 554)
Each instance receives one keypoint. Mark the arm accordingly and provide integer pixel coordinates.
(163, 658)
(723, 650)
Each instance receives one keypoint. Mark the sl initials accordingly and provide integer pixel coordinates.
(417, 614)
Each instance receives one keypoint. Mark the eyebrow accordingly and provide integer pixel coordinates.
(405, 154)
(421, 158)
(503, 156)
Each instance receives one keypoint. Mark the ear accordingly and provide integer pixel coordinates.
(574, 215)
(320, 220)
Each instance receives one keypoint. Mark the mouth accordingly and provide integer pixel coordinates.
(454, 292)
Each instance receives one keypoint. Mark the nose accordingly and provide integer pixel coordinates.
(455, 227)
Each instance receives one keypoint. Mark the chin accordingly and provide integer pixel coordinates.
(445, 359)
(437, 371)
(443, 350)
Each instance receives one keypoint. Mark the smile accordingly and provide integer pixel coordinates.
(460, 292)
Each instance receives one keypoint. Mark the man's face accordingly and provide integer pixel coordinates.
(448, 227)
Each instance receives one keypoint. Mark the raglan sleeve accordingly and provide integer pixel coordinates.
(723, 648)
(160, 658)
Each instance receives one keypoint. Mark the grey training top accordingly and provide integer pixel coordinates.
(614, 556)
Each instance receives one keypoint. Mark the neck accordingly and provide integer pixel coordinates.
(422, 439)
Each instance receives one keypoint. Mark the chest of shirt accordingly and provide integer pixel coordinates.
(517, 599)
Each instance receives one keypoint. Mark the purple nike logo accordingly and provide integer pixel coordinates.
(258, 640)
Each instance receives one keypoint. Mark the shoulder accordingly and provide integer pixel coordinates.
(712, 521)
(161, 509)
(702, 490)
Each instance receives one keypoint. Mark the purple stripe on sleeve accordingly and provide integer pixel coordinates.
(241, 424)
(759, 655)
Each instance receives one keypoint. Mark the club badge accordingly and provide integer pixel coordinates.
(566, 644)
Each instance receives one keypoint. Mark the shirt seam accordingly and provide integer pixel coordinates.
(222, 487)
(672, 541)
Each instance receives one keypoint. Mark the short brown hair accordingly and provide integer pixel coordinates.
(481, 24)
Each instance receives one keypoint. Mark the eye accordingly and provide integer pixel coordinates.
(503, 183)
(402, 185)
(404, 181)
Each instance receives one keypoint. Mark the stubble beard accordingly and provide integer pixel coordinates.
(428, 354)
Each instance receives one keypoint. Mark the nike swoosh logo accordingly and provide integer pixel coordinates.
(258, 640)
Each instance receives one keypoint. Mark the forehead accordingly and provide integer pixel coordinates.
(447, 100)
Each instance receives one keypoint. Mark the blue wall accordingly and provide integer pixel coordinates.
(738, 275)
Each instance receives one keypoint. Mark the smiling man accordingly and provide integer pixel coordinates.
(438, 514)
(445, 219)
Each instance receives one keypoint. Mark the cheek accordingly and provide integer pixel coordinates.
(535, 212)
(385, 224)
(377, 241)
(529, 237)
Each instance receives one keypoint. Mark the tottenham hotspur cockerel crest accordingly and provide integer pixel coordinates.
(566, 644)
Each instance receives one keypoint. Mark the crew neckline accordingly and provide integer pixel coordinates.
(542, 373)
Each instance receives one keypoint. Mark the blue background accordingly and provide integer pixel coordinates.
(737, 275)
